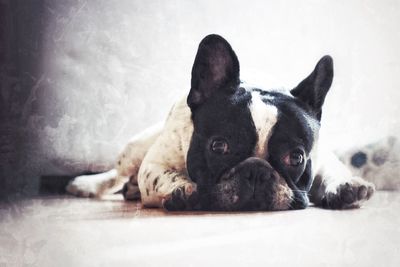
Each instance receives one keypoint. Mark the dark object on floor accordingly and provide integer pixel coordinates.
(55, 184)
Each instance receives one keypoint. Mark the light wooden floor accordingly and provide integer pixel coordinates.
(66, 231)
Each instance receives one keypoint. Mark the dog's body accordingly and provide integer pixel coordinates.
(231, 147)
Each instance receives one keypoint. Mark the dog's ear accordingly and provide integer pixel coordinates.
(215, 68)
(313, 89)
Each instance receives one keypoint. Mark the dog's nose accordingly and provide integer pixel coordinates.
(249, 169)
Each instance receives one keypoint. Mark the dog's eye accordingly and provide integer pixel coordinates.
(294, 158)
(220, 146)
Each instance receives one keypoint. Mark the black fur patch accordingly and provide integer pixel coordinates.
(173, 179)
(234, 124)
(155, 182)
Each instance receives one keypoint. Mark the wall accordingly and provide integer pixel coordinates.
(86, 75)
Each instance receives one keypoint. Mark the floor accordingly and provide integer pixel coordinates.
(66, 231)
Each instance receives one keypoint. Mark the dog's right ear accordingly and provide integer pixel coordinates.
(215, 68)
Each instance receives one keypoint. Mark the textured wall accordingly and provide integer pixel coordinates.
(80, 77)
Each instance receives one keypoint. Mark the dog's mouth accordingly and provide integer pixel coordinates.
(253, 184)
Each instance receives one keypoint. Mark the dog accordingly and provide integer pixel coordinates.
(232, 147)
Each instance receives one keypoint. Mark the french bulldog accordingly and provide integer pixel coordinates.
(232, 147)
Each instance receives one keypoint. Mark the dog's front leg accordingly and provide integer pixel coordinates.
(334, 187)
(164, 186)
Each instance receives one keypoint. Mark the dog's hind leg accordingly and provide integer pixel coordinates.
(124, 176)
(93, 185)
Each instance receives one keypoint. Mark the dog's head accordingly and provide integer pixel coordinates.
(251, 147)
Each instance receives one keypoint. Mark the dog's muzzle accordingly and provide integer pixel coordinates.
(253, 184)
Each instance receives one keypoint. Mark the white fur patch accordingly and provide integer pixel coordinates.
(94, 185)
(264, 118)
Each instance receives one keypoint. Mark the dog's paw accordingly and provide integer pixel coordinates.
(348, 195)
(182, 198)
(83, 186)
(130, 191)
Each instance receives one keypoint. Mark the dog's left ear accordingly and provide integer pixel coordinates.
(313, 89)
(215, 69)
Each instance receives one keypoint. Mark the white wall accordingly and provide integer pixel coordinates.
(112, 68)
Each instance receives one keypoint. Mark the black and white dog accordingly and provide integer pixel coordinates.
(231, 147)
